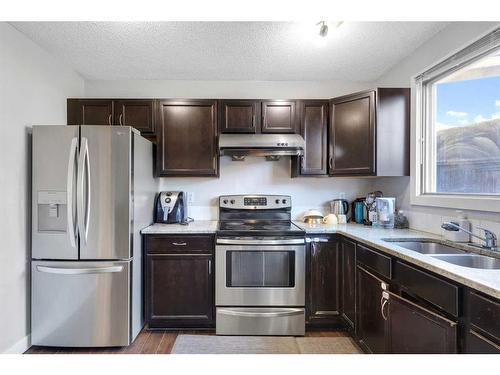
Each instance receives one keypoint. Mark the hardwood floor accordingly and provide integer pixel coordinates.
(153, 342)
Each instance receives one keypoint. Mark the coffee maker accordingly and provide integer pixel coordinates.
(385, 212)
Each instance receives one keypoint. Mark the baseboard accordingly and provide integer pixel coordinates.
(19, 347)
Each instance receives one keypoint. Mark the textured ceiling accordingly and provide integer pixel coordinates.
(356, 51)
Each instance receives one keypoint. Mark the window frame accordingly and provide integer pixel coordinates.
(422, 138)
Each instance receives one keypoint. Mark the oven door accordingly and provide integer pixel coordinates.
(260, 272)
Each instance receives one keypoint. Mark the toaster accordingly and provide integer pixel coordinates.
(170, 207)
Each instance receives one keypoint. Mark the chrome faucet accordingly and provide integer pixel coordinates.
(490, 239)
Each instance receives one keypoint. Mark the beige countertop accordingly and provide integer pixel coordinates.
(486, 281)
(197, 226)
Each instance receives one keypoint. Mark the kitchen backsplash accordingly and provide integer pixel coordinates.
(255, 175)
(429, 219)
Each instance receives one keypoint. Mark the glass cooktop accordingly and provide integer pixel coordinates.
(252, 227)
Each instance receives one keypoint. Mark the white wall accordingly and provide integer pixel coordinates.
(454, 37)
(221, 89)
(255, 175)
(33, 90)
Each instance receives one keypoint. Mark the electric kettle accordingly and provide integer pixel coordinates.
(339, 206)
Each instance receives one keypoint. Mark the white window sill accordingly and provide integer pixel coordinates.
(462, 202)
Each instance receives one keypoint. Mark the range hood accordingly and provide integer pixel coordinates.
(272, 146)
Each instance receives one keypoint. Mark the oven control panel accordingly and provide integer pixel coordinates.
(255, 202)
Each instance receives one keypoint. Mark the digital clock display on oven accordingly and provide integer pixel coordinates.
(255, 201)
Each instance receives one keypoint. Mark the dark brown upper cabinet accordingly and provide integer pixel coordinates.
(90, 111)
(240, 116)
(278, 116)
(138, 113)
(187, 142)
(313, 123)
(370, 133)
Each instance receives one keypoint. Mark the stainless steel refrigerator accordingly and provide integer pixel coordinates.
(93, 192)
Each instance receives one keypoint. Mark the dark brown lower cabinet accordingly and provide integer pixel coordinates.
(179, 284)
(413, 329)
(483, 321)
(348, 282)
(370, 325)
(478, 344)
(322, 291)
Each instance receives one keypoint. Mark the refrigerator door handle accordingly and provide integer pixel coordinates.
(79, 271)
(70, 189)
(83, 206)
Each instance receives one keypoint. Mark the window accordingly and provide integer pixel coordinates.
(458, 128)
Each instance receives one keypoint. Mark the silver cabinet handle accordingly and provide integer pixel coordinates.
(287, 312)
(383, 302)
(70, 188)
(79, 271)
(209, 266)
(313, 248)
(316, 239)
(109, 119)
(228, 241)
(179, 243)
(120, 119)
(83, 164)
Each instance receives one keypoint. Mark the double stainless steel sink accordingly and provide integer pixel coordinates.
(448, 254)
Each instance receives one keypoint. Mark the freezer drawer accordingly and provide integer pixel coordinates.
(275, 321)
(80, 304)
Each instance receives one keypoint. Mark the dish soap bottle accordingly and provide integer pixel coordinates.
(459, 235)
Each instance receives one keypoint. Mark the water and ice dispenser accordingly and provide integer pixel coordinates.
(52, 211)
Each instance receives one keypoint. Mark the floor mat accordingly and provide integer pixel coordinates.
(200, 344)
(327, 345)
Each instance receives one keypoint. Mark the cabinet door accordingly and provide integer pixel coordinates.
(278, 116)
(240, 116)
(187, 145)
(370, 325)
(179, 290)
(478, 344)
(352, 135)
(313, 127)
(136, 113)
(323, 282)
(90, 112)
(348, 284)
(415, 330)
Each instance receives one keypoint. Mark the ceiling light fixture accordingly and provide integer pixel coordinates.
(323, 28)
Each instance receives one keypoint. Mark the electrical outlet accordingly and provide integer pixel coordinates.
(190, 197)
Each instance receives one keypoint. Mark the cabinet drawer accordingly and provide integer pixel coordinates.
(374, 260)
(477, 344)
(436, 291)
(485, 314)
(179, 244)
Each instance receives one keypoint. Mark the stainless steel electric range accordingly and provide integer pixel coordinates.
(260, 267)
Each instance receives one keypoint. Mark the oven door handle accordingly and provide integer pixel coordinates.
(234, 241)
(269, 314)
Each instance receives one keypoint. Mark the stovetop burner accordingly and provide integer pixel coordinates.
(256, 215)
(241, 228)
